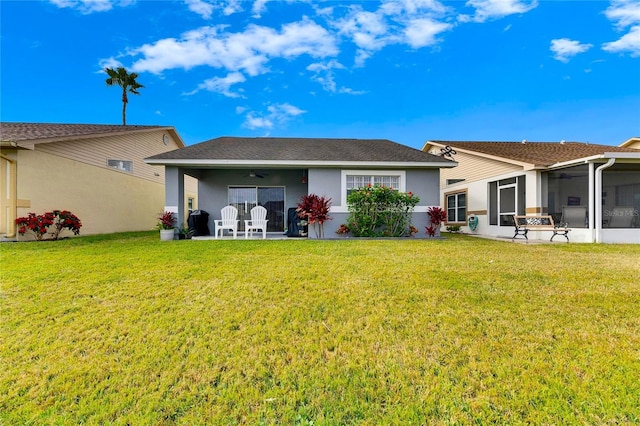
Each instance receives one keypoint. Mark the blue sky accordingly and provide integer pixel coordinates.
(405, 70)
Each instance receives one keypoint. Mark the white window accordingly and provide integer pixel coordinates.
(122, 165)
(354, 179)
(361, 181)
(457, 207)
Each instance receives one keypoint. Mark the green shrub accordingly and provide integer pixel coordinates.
(453, 228)
(380, 211)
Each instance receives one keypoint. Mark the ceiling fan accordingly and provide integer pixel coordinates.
(253, 174)
(568, 175)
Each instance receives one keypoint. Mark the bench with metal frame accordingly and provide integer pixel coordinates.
(524, 224)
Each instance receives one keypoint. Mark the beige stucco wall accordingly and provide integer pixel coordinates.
(105, 200)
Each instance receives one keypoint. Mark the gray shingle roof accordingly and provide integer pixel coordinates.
(300, 150)
(537, 153)
(17, 132)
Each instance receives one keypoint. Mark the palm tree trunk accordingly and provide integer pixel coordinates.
(124, 106)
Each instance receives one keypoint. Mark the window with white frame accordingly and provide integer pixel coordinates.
(361, 181)
(456, 207)
(354, 179)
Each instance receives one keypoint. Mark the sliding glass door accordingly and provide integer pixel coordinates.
(244, 198)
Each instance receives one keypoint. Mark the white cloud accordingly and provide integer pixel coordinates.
(277, 114)
(495, 9)
(252, 122)
(248, 51)
(368, 31)
(90, 6)
(233, 6)
(259, 6)
(629, 42)
(412, 22)
(564, 49)
(221, 85)
(205, 8)
(323, 74)
(109, 63)
(200, 7)
(625, 13)
(422, 32)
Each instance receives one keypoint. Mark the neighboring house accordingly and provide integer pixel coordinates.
(95, 171)
(595, 188)
(631, 143)
(277, 172)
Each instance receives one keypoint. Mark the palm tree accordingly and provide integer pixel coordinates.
(120, 77)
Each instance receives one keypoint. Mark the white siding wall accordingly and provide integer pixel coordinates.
(473, 168)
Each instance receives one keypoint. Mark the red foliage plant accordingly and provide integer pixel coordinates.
(166, 220)
(315, 210)
(53, 223)
(437, 215)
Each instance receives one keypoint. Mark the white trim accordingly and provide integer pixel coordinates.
(400, 173)
(622, 155)
(345, 209)
(379, 172)
(606, 155)
(385, 165)
(171, 209)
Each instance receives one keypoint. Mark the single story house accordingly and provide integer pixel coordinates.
(95, 171)
(277, 172)
(594, 188)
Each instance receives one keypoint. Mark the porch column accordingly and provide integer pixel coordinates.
(174, 193)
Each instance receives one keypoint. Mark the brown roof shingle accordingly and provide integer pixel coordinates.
(537, 153)
(300, 149)
(19, 132)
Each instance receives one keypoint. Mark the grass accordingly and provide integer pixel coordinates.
(125, 329)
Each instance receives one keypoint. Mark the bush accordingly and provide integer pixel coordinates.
(379, 211)
(52, 223)
(315, 210)
(166, 220)
(453, 228)
(436, 216)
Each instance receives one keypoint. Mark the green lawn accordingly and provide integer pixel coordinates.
(125, 329)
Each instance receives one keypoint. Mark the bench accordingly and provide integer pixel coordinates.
(524, 224)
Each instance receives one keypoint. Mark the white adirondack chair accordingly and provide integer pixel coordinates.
(229, 221)
(258, 221)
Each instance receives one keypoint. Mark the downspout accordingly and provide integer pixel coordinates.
(598, 191)
(592, 203)
(13, 197)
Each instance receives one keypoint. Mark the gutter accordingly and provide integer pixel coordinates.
(296, 163)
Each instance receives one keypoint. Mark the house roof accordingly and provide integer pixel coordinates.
(34, 133)
(538, 154)
(298, 151)
(631, 142)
